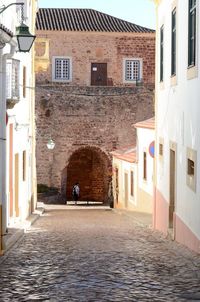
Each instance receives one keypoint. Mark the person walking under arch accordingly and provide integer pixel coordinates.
(76, 192)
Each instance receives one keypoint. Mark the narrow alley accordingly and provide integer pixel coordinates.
(75, 253)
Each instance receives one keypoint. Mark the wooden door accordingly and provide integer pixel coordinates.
(99, 74)
(17, 185)
(126, 189)
(172, 189)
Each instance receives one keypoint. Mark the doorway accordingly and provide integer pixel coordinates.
(126, 189)
(172, 187)
(17, 185)
(99, 74)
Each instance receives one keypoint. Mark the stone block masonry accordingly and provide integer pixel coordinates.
(89, 122)
(85, 48)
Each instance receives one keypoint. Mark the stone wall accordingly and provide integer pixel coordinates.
(99, 118)
(87, 122)
(85, 48)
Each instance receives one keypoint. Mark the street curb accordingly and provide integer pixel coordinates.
(17, 233)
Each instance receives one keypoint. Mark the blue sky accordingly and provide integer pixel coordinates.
(141, 12)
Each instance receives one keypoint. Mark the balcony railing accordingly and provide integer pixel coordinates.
(12, 83)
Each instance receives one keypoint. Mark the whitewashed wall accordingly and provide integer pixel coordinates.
(178, 112)
(125, 167)
(144, 139)
(21, 115)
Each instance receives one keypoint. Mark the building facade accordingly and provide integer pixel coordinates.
(95, 79)
(177, 192)
(125, 178)
(18, 174)
(133, 169)
(145, 165)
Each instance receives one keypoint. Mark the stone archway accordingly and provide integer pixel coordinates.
(91, 168)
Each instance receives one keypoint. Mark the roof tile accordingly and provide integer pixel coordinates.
(127, 154)
(72, 19)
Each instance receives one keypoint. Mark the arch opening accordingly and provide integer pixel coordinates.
(90, 167)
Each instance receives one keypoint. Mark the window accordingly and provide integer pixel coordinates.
(173, 49)
(12, 80)
(133, 70)
(132, 183)
(192, 33)
(145, 166)
(160, 149)
(61, 69)
(191, 169)
(161, 52)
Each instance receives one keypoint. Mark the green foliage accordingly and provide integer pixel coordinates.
(41, 188)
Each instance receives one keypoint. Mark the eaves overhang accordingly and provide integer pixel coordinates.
(6, 30)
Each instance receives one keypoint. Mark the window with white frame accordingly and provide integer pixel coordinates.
(61, 69)
(12, 79)
(133, 70)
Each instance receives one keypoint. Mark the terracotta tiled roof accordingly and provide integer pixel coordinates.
(71, 19)
(126, 154)
(149, 124)
(6, 30)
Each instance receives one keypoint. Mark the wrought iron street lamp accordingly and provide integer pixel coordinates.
(24, 38)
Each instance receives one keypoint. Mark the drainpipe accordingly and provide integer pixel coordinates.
(3, 154)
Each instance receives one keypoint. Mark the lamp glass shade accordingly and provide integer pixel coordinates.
(24, 38)
(50, 144)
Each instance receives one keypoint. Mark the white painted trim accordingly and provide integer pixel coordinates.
(53, 69)
(124, 69)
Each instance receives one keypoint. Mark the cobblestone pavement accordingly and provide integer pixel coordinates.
(97, 255)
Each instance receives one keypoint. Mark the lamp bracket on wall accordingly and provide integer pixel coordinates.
(3, 8)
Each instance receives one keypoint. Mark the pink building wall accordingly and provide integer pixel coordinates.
(182, 232)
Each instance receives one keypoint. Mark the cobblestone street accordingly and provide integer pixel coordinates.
(97, 255)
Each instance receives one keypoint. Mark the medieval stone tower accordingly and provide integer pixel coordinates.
(94, 81)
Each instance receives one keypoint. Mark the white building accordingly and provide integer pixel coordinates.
(145, 165)
(17, 143)
(125, 178)
(177, 193)
(133, 171)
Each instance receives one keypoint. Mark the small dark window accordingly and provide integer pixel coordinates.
(173, 54)
(192, 33)
(190, 170)
(145, 165)
(161, 149)
(161, 52)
